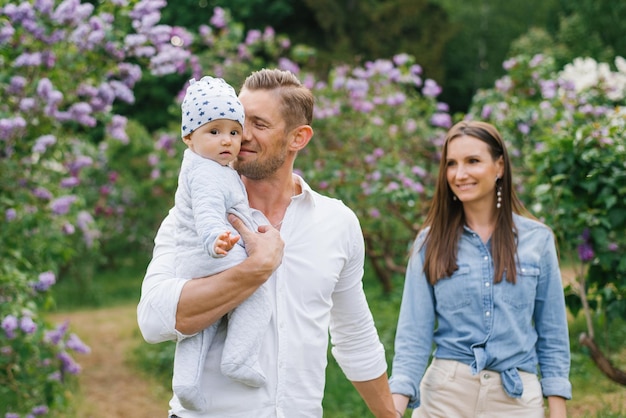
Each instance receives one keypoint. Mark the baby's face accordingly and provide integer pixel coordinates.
(218, 140)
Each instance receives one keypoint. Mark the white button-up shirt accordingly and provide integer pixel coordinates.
(318, 288)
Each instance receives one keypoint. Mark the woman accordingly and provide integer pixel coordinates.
(483, 284)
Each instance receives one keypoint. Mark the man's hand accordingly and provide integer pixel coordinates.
(266, 247)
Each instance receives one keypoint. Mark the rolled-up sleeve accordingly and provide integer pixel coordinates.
(550, 319)
(160, 290)
(356, 345)
(414, 333)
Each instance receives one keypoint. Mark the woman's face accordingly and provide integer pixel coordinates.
(471, 172)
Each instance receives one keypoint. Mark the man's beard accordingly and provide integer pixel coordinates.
(259, 170)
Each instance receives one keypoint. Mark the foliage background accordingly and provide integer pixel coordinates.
(89, 147)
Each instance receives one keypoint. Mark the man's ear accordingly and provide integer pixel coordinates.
(300, 137)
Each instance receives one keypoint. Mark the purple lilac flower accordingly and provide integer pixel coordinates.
(46, 279)
(68, 364)
(42, 193)
(16, 85)
(28, 325)
(401, 59)
(122, 92)
(68, 228)
(536, 60)
(410, 126)
(117, 128)
(11, 415)
(28, 59)
(19, 13)
(9, 324)
(56, 335)
(71, 11)
(219, 18)
(523, 128)
(83, 220)
(613, 246)
(43, 142)
(61, 205)
(287, 64)
(129, 73)
(75, 343)
(374, 213)
(10, 214)
(510, 63)
(44, 6)
(548, 88)
(9, 127)
(441, 120)
(431, 88)
(392, 186)
(40, 410)
(504, 84)
(585, 252)
(418, 171)
(252, 36)
(80, 162)
(363, 106)
(81, 113)
(69, 182)
(27, 104)
(6, 32)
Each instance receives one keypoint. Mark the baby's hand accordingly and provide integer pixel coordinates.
(225, 242)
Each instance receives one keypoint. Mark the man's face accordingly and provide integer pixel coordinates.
(264, 143)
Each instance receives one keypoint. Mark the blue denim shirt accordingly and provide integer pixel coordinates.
(502, 327)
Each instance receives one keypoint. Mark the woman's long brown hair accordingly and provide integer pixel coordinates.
(445, 218)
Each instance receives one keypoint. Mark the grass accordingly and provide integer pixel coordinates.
(594, 395)
(87, 289)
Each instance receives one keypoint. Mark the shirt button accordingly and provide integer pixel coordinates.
(486, 284)
(486, 257)
(486, 376)
(487, 313)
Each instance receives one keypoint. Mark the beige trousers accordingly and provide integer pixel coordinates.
(449, 390)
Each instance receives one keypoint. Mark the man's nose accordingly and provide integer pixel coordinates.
(245, 133)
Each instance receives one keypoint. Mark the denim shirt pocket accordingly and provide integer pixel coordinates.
(453, 293)
(521, 295)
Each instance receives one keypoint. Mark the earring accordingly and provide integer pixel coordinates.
(498, 194)
(454, 197)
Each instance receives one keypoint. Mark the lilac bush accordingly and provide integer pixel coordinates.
(65, 64)
(378, 130)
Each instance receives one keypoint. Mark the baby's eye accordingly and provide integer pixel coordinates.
(214, 131)
(234, 132)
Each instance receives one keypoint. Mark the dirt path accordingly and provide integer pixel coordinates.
(109, 387)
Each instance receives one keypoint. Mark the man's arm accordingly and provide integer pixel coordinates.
(164, 312)
(377, 396)
(205, 300)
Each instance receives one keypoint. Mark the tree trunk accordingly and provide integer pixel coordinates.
(603, 363)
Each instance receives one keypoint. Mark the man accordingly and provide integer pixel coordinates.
(309, 250)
